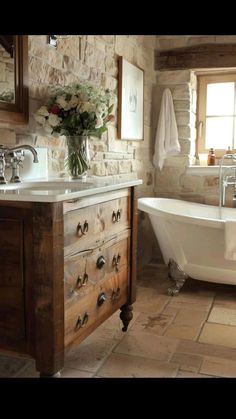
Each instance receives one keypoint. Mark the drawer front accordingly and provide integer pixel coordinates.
(90, 311)
(87, 227)
(84, 271)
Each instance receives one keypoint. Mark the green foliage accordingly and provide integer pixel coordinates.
(77, 109)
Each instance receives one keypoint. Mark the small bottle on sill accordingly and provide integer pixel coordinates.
(211, 159)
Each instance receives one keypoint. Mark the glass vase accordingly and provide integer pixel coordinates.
(78, 158)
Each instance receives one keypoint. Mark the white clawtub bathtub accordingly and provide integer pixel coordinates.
(192, 236)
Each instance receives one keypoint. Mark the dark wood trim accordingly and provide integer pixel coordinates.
(18, 112)
(119, 107)
(29, 284)
(48, 262)
(199, 56)
(133, 247)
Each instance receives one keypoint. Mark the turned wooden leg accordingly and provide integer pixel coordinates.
(126, 315)
(56, 375)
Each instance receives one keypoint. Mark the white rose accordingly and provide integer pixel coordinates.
(73, 102)
(53, 120)
(61, 101)
(40, 119)
(43, 111)
(86, 107)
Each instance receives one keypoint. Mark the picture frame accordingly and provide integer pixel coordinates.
(52, 40)
(130, 101)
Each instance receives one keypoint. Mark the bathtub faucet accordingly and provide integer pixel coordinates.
(227, 178)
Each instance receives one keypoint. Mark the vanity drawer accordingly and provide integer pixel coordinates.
(82, 272)
(90, 311)
(87, 227)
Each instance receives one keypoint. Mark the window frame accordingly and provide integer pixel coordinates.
(202, 81)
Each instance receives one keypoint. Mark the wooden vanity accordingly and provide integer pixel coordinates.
(66, 267)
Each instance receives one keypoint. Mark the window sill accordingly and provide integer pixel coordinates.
(203, 170)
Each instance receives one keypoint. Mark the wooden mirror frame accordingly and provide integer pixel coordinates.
(18, 112)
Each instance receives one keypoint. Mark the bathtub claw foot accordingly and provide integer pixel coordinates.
(178, 276)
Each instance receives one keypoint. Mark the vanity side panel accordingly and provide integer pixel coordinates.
(133, 247)
(15, 263)
(48, 286)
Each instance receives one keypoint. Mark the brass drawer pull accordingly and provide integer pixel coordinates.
(115, 294)
(81, 231)
(101, 262)
(116, 261)
(113, 217)
(86, 226)
(118, 215)
(78, 323)
(79, 282)
(101, 299)
(85, 279)
(85, 319)
(82, 281)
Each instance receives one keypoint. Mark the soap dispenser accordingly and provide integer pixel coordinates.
(211, 159)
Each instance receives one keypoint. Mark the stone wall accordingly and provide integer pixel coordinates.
(176, 179)
(94, 58)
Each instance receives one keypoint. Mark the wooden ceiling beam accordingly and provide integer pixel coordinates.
(199, 56)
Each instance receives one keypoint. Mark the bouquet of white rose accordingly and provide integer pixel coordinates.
(78, 109)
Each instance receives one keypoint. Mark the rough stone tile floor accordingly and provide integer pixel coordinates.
(189, 335)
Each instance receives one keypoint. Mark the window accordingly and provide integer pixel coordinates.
(216, 113)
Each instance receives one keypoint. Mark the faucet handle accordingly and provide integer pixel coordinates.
(3, 150)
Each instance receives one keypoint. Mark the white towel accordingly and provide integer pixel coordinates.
(230, 240)
(166, 143)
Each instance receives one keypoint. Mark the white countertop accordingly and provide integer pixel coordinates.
(55, 190)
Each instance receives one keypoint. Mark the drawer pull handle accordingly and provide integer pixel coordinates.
(118, 215)
(85, 279)
(115, 294)
(101, 299)
(113, 217)
(82, 230)
(79, 282)
(86, 226)
(78, 323)
(116, 261)
(85, 319)
(79, 230)
(101, 262)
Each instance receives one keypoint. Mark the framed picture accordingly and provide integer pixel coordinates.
(130, 101)
(52, 40)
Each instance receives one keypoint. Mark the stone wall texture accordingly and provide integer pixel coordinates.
(93, 58)
(175, 180)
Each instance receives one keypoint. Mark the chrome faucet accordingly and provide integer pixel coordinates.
(226, 178)
(13, 157)
(2, 164)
